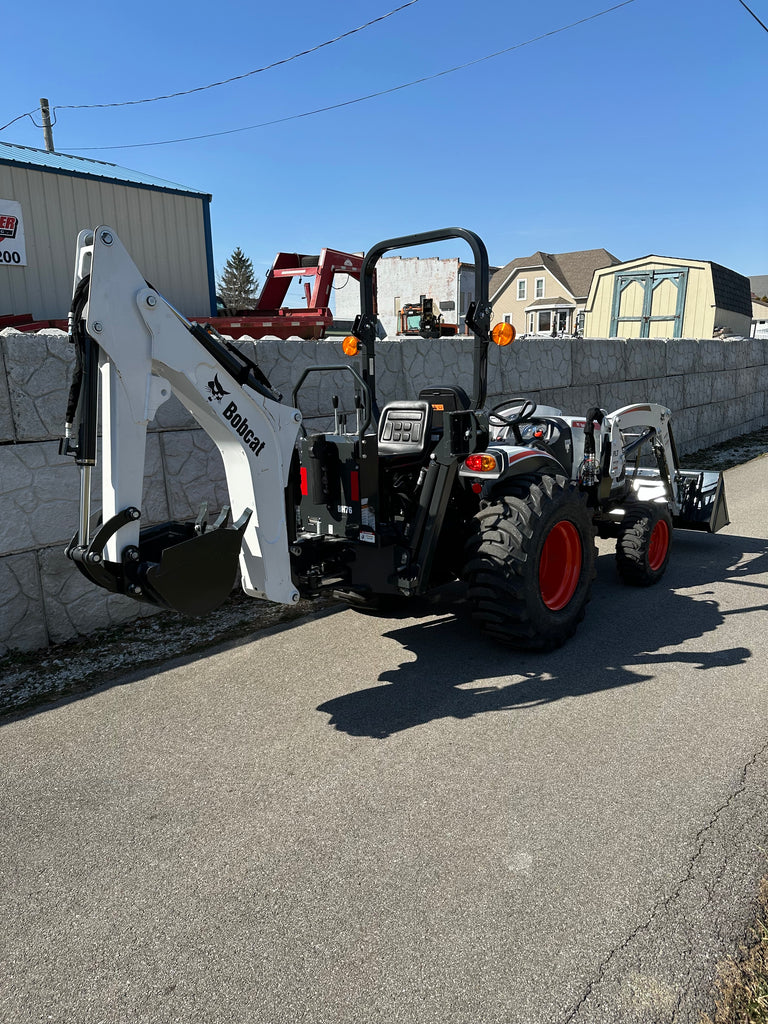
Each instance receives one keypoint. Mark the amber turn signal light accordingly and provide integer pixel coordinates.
(350, 345)
(503, 334)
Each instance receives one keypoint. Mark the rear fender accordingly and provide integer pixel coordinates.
(512, 461)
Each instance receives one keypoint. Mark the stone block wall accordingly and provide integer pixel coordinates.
(715, 389)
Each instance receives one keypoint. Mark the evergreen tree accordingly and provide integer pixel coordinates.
(238, 286)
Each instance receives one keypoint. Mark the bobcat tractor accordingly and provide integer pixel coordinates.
(391, 502)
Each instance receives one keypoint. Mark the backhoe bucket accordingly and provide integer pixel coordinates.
(186, 567)
(186, 571)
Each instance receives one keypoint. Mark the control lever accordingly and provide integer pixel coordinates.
(335, 404)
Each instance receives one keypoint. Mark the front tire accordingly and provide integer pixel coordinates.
(530, 563)
(644, 544)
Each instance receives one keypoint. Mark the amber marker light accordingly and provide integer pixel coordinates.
(350, 345)
(503, 334)
(481, 463)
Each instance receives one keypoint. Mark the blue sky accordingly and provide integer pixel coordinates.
(641, 131)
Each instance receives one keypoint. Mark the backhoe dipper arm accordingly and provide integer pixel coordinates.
(147, 351)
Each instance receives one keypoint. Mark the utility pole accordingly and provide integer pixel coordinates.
(45, 111)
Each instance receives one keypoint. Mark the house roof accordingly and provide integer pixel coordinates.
(551, 303)
(78, 166)
(573, 270)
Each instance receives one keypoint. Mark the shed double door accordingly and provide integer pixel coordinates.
(649, 304)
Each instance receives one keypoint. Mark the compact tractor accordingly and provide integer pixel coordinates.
(390, 503)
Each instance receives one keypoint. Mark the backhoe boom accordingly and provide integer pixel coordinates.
(146, 352)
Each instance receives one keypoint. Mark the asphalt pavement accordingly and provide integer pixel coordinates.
(357, 819)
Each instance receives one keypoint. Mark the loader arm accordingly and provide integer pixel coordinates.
(651, 423)
(143, 351)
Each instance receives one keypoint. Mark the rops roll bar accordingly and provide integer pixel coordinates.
(478, 317)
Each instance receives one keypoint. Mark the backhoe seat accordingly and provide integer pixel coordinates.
(405, 430)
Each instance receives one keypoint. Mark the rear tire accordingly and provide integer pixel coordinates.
(644, 544)
(530, 563)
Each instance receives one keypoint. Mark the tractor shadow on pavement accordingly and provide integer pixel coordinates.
(626, 630)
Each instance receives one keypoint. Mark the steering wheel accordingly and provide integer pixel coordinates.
(524, 411)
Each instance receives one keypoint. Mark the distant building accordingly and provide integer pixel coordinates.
(546, 293)
(666, 297)
(46, 199)
(759, 317)
(402, 280)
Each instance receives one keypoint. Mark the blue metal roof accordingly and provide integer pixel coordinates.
(61, 163)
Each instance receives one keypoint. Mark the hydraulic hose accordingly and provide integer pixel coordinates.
(83, 392)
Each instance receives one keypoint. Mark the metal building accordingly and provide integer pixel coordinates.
(47, 198)
(401, 280)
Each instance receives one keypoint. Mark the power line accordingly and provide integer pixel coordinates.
(247, 74)
(753, 14)
(213, 85)
(360, 99)
(28, 114)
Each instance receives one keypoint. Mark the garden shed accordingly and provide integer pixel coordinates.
(666, 297)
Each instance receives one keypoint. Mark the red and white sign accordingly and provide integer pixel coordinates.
(13, 252)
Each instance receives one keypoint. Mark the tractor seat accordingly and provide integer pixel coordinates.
(448, 398)
(405, 430)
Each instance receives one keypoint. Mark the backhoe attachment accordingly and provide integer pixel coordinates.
(133, 350)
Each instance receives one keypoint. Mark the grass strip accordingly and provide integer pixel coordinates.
(741, 984)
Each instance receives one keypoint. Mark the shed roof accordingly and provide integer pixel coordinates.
(732, 290)
(78, 166)
(573, 269)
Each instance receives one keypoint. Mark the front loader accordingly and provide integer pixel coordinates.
(390, 503)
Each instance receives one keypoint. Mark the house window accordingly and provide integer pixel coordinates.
(539, 287)
(507, 319)
(531, 324)
(522, 288)
(545, 321)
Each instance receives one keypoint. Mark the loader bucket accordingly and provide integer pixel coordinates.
(703, 505)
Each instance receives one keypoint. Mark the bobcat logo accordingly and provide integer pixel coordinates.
(215, 390)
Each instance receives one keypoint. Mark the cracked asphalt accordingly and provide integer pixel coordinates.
(350, 818)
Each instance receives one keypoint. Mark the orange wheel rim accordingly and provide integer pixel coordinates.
(658, 545)
(560, 566)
